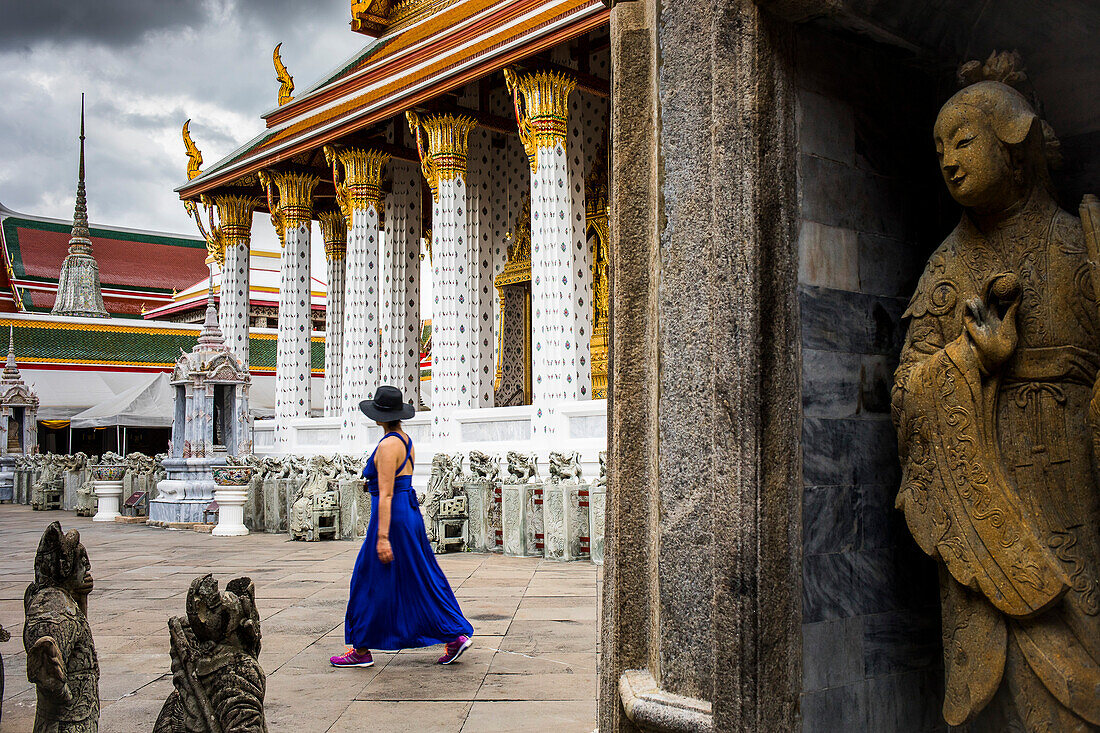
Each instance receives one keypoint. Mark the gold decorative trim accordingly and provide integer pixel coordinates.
(541, 102)
(334, 231)
(443, 154)
(597, 221)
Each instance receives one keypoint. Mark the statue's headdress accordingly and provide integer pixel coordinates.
(214, 615)
(999, 89)
(57, 556)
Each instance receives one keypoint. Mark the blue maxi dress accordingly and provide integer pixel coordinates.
(408, 602)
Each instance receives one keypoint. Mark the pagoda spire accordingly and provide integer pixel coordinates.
(210, 337)
(78, 288)
(11, 369)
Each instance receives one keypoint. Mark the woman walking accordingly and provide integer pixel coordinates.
(399, 599)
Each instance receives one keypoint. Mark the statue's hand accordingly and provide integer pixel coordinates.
(46, 667)
(993, 335)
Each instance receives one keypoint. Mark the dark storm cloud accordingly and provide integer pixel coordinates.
(106, 22)
(118, 23)
(146, 66)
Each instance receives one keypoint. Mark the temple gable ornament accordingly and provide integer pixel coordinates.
(997, 410)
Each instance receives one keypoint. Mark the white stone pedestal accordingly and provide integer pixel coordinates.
(484, 516)
(231, 495)
(230, 511)
(565, 520)
(107, 481)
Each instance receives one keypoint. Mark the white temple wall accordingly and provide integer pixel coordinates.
(580, 426)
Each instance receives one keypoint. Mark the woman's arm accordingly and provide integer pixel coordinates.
(386, 462)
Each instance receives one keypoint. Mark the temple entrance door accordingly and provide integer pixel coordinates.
(513, 384)
(513, 378)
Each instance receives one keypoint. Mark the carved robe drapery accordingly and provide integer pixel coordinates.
(999, 479)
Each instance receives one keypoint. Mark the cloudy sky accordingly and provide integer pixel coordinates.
(145, 66)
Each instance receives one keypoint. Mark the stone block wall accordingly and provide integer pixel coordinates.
(870, 214)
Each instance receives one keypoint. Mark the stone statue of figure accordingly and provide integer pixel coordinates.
(61, 658)
(321, 471)
(215, 669)
(991, 402)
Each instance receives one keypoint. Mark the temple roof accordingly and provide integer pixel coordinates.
(436, 52)
(136, 268)
(48, 342)
(263, 288)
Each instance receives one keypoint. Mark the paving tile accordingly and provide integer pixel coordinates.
(402, 717)
(536, 716)
(540, 686)
(532, 666)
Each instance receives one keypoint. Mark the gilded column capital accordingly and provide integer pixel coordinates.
(235, 215)
(234, 222)
(334, 231)
(541, 102)
(360, 186)
(295, 204)
(442, 142)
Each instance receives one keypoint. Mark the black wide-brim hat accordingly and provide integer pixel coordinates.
(388, 405)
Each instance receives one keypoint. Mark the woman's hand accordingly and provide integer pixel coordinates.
(385, 552)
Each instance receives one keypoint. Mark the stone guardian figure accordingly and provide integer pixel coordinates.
(215, 669)
(991, 402)
(61, 658)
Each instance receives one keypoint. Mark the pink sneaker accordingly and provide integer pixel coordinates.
(454, 649)
(352, 658)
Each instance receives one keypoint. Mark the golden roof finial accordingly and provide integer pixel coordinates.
(282, 76)
(194, 157)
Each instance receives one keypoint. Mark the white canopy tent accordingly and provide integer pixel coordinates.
(145, 405)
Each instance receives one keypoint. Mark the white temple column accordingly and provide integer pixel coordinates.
(443, 142)
(399, 299)
(560, 273)
(360, 196)
(480, 287)
(334, 231)
(235, 228)
(292, 355)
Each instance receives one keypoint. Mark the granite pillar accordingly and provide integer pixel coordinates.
(701, 597)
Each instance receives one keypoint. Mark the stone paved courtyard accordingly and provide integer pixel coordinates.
(532, 667)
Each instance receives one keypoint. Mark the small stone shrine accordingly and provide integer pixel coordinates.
(219, 683)
(565, 509)
(521, 507)
(61, 658)
(482, 486)
(210, 424)
(18, 421)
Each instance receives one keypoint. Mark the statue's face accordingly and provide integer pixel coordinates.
(975, 164)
